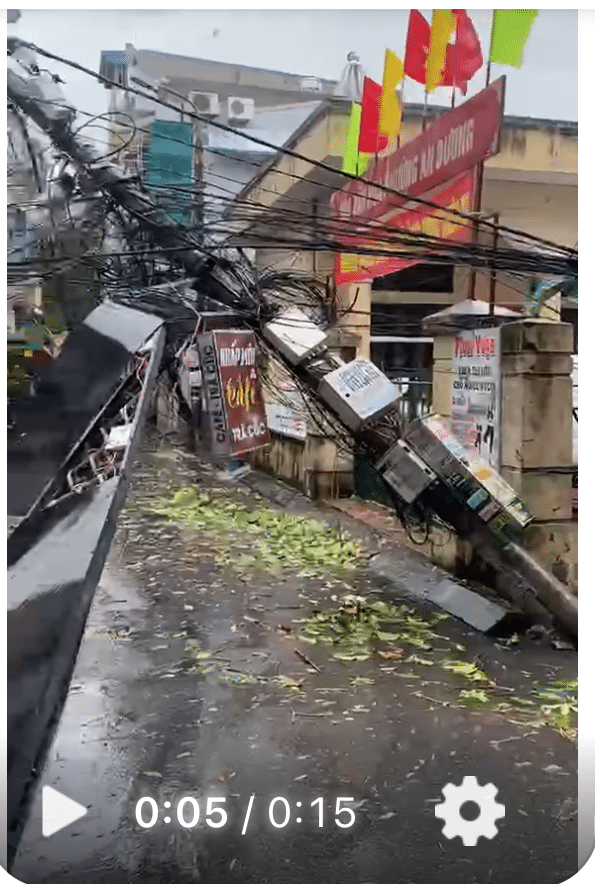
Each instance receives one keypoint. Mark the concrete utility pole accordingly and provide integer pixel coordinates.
(103, 174)
(530, 585)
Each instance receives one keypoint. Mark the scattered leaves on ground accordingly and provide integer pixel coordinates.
(259, 539)
(358, 627)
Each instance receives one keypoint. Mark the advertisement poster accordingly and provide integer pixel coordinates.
(287, 420)
(285, 408)
(243, 405)
(476, 393)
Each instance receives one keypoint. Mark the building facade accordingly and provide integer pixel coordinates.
(266, 105)
(531, 184)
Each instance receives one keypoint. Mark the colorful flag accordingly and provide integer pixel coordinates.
(417, 48)
(370, 140)
(390, 104)
(443, 24)
(464, 57)
(354, 162)
(510, 32)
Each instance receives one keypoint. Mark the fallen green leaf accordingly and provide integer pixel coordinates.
(468, 670)
(291, 684)
(420, 660)
(389, 636)
(473, 697)
(350, 658)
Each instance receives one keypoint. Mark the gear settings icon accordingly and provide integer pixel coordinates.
(469, 830)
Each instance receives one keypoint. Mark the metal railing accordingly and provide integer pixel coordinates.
(415, 397)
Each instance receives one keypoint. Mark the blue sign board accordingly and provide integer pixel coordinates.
(169, 168)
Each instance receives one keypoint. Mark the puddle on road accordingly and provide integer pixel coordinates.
(94, 750)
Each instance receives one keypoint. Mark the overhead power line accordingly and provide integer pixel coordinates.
(289, 152)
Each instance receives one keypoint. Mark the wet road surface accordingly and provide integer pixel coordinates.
(188, 684)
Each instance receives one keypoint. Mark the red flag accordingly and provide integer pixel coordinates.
(369, 139)
(464, 57)
(417, 48)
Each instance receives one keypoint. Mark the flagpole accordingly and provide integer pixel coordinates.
(423, 119)
(480, 171)
(402, 108)
(489, 64)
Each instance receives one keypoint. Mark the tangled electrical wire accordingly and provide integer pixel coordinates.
(299, 230)
(237, 222)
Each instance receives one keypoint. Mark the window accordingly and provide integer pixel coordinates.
(419, 278)
(402, 320)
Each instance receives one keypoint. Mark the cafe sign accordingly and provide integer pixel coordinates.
(233, 394)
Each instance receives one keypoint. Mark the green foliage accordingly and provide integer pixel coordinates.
(358, 627)
(261, 538)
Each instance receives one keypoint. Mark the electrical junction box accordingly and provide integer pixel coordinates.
(472, 481)
(295, 335)
(358, 392)
(118, 437)
(405, 472)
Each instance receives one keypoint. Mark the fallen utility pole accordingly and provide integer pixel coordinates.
(427, 472)
(56, 123)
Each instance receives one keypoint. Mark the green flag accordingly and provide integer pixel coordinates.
(510, 33)
(354, 162)
(363, 162)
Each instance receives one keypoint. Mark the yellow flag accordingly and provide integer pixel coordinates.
(390, 104)
(443, 24)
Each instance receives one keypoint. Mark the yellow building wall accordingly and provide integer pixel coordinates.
(522, 149)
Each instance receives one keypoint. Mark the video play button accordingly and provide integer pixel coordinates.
(58, 811)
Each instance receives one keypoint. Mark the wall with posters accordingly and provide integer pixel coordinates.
(286, 421)
(476, 392)
(285, 409)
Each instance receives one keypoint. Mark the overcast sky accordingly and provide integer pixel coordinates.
(302, 42)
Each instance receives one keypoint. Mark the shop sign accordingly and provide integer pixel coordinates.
(476, 393)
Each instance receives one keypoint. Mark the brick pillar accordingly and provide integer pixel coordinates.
(442, 374)
(356, 298)
(537, 437)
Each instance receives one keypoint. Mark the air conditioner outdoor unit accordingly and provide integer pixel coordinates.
(206, 103)
(310, 84)
(240, 111)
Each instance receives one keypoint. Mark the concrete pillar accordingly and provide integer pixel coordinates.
(354, 303)
(442, 374)
(537, 437)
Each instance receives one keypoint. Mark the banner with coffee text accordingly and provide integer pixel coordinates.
(233, 392)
